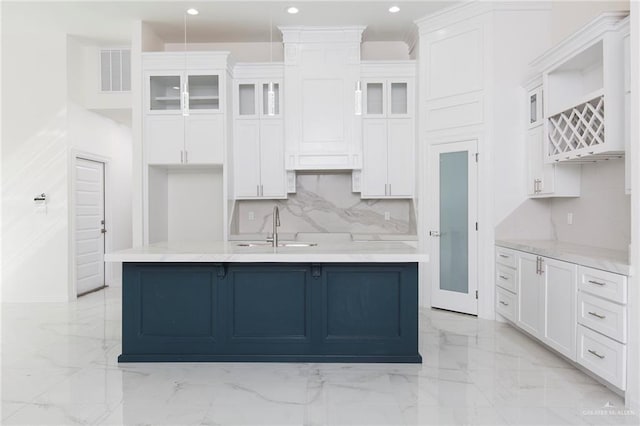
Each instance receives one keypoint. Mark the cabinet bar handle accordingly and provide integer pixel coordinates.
(504, 303)
(261, 191)
(186, 156)
(537, 265)
(595, 353)
(504, 278)
(503, 256)
(597, 315)
(181, 157)
(541, 263)
(597, 283)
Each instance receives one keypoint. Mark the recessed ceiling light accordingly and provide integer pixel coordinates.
(192, 11)
(394, 9)
(292, 10)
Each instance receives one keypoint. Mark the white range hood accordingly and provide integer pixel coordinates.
(322, 69)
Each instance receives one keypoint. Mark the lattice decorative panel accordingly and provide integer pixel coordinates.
(579, 127)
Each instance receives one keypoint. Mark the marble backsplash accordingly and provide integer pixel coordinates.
(324, 202)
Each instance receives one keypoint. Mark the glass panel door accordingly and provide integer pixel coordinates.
(399, 101)
(452, 225)
(203, 92)
(247, 99)
(374, 94)
(454, 221)
(164, 92)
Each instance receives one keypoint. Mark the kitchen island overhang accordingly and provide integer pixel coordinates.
(350, 302)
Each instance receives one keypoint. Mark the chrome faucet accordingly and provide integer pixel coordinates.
(273, 239)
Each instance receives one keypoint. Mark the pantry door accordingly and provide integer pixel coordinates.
(89, 226)
(453, 226)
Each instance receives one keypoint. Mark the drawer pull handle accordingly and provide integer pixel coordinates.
(597, 283)
(504, 303)
(504, 256)
(504, 278)
(595, 353)
(597, 315)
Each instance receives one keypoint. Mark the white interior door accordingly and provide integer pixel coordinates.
(90, 227)
(453, 231)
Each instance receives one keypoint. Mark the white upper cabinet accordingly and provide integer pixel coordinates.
(544, 179)
(583, 80)
(322, 69)
(388, 135)
(388, 98)
(184, 107)
(258, 139)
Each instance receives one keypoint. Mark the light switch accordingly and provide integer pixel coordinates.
(252, 216)
(387, 216)
(569, 218)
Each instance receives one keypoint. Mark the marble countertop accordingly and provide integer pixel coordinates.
(219, 251)
(616, 261)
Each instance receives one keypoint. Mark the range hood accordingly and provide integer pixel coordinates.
(322, 69)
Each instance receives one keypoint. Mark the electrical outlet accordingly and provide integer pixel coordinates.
(387, 216)
(569, 218)
(252, 216)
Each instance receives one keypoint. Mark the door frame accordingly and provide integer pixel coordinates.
(76, 154)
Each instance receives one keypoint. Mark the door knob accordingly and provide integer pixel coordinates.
(434, 233)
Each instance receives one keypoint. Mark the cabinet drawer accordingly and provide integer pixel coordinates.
(506, 304)
(603, 316)
(506, 277)
(603, 356)
(505, 257)
(603, 284)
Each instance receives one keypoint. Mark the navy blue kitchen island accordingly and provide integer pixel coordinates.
(282, 312)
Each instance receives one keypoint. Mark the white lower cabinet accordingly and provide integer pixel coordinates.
(560, 281)
(578, 311)
(530, 294)
(506, 303)
(603, 356)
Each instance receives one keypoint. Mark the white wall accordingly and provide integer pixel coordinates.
(34, 160)
(92, 134)
(240, 52)
(601, 215)
(569, 16)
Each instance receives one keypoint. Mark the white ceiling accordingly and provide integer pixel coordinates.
(219, 21)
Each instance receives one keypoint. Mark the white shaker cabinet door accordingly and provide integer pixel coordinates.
(400, 151)
(530, 295)
(374, 167)
(247, 158)
(272, 170)
(204, 138)
(560, 287)
(164, 139)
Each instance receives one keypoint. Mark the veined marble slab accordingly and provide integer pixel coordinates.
(616, 261)
(219, 251)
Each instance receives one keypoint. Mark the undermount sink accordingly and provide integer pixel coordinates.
(279, 245)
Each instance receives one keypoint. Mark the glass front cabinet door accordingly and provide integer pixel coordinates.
(534, 107)
(254, 100)
(171, 93)
(390, 98)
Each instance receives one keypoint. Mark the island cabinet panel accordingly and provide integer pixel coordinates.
(368, 309)
(170, 309)
(268, 309)
(298, 312)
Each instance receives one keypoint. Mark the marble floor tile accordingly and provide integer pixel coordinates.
(59, 367)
